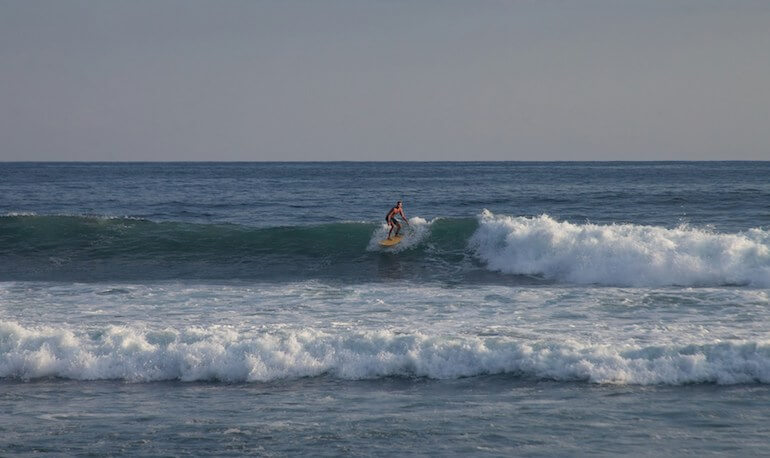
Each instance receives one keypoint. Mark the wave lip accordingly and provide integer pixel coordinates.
(224, 354)
(621, 254)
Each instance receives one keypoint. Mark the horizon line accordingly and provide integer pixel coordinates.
(206, 161)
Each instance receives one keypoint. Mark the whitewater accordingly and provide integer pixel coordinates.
(622, 254)
(532, 309)
(566, 333)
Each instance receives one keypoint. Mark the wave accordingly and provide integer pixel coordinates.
(103, 236)
(224, 354)
(621, 254)
(90, 248)
(489, 248)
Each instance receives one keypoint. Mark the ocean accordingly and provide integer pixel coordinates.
(533, 309)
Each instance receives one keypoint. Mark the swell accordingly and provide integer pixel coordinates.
(101, 237)
(99, 248)
(224, 354)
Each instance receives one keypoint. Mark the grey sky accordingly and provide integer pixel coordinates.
(384, 80)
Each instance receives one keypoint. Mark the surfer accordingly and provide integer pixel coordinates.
(392, 221)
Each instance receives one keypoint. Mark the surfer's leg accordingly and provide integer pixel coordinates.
(397, 226)
(390, 223)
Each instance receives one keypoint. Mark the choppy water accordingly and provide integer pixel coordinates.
(533, 308)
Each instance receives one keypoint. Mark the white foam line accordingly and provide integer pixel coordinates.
(220, 353)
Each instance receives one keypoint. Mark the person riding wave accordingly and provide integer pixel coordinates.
(390, 218)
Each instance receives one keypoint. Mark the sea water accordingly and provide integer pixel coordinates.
(247, 308)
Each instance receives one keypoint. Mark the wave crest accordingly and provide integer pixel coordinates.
(621, 254)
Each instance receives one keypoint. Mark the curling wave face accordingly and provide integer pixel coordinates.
(92, 248)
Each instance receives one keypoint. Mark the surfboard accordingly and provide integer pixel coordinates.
(393, 241)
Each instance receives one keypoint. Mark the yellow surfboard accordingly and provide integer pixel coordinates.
(393, 241)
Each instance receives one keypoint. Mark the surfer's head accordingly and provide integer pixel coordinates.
(398, 204)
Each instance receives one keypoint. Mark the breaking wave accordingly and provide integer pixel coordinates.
(224, 354)
(87, 248)
(621, 254)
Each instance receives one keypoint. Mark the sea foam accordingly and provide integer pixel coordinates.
(621, 254)
(413, 233)
(223, 354)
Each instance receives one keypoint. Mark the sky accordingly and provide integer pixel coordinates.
(261, 80)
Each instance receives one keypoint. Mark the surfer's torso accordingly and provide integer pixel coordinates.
(393, 212)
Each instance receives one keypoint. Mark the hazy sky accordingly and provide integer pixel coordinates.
(384, 80)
